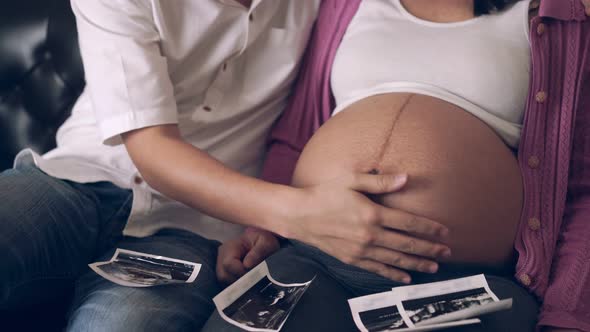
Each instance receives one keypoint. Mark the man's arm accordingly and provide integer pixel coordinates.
(189, 175)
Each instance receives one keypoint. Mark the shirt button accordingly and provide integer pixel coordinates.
(541, 29)
(534, 162)
(207, 109)
(534, 224)
(224, 67)
(541, 96)
(525, 279)
(138, 180)
(251, 17)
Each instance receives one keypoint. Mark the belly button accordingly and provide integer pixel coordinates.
(374, 171)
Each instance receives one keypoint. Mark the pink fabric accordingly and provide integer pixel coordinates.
(553, 260)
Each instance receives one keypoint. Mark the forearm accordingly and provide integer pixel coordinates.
(189, 175)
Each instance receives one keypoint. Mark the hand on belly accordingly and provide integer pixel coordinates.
(460, 172)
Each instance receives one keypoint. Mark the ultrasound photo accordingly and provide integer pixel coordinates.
(265, 305)
(257, 302)
(427, 307)
(134, 269)
(423, 309)
(382, 319)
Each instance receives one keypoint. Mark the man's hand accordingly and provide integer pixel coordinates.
(235, 257)
(339, 219)
(587, 5)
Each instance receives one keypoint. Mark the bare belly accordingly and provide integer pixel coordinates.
(460, 172)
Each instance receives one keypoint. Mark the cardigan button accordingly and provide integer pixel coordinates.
(541, 29)
(534, 162)
(541, 96)
(525, 279)
(534, 224)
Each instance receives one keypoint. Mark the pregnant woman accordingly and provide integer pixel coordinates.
(438, 91)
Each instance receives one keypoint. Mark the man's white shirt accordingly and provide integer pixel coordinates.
(221, 71)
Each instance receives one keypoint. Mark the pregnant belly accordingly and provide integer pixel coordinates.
(460, 172)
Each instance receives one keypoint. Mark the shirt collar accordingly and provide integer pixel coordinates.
(566, 10)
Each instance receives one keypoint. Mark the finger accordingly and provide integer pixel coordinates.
(401, 260)
(224, 277)
(229, 261)
(413, 224)
(260, 251)
(410, 245)
(223, 274)
(234, 267)
(385, 271)
(378, 184)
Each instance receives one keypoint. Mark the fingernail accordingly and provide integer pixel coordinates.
(406, 280)
(398, 180)
(446, 253)
(444, 232)
(433, 268)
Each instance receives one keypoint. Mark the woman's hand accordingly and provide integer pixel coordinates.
(339, 219)
(587, 5)
(555, 329)
(235, 257)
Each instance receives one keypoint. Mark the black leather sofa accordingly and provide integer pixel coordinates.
(41, 73)
(41, 77)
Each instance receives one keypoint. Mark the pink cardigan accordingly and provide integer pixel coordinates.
(553, 239)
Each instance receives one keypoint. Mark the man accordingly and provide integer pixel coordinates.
(180, 97)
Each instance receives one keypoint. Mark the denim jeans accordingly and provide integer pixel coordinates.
(324, 306)
(50, 229)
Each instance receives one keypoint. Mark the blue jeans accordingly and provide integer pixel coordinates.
(50, 229)
(324, 306)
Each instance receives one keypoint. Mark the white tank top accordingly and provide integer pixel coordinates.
(481, 65)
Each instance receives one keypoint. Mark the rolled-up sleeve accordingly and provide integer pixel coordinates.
(126, 74)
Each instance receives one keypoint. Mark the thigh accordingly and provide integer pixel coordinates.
(323, 307)
(48, 232)
(100, 305)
